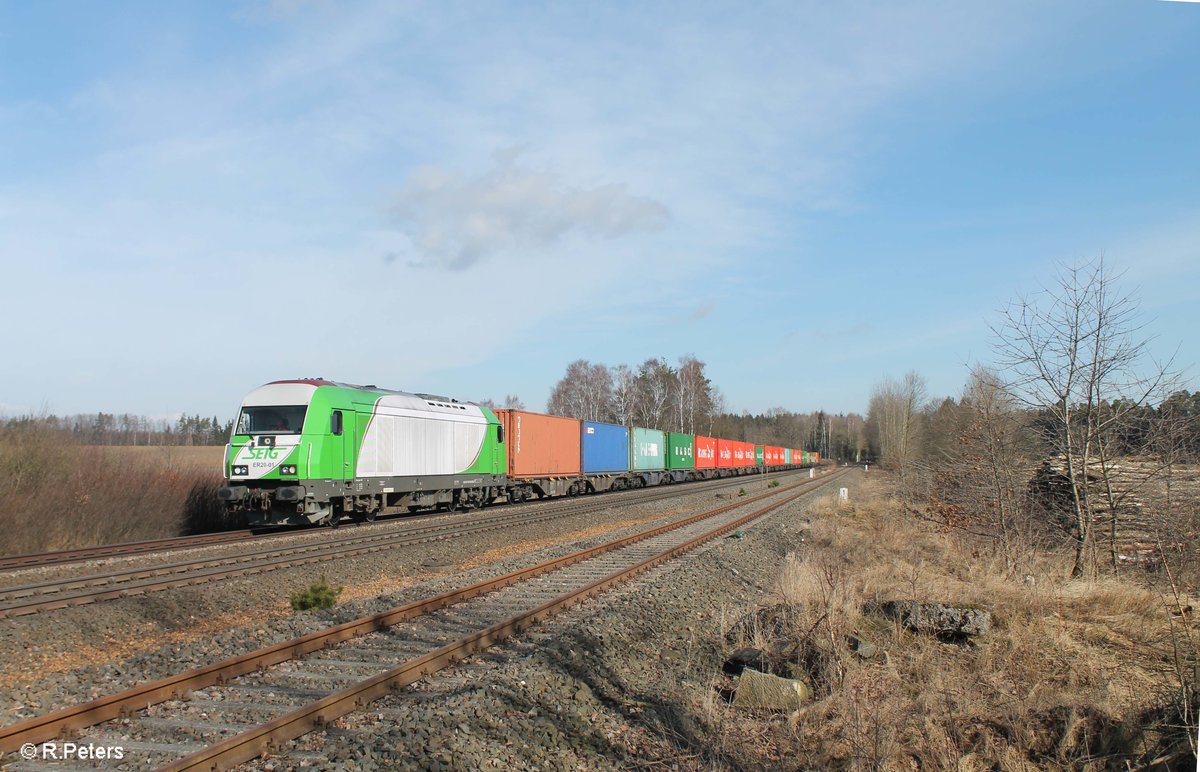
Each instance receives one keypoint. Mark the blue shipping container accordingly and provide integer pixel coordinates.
(605, 448)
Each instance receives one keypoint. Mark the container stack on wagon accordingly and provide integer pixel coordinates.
(681, 456)
(706, 452)
(614, 457)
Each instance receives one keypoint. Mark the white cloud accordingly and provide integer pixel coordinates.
(454, 221)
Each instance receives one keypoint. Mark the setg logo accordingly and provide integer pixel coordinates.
(263, 454)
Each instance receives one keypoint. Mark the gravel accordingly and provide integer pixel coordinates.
(102, 648)
(626, 680)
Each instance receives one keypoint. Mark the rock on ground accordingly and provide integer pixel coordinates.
(769, 692)
(935, 618)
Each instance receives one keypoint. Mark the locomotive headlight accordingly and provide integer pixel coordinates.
(241, 470)
(287, 469)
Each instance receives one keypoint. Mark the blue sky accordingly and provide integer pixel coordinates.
(196, 198)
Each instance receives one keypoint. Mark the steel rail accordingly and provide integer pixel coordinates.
(122, 549)
(128, 582)
(259, 740)
(171, 543)
(61, 722)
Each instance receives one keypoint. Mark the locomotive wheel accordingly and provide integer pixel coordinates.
(369, 517)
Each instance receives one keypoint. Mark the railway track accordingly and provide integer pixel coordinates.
(60, 557)
(35, 597)
(235, 710)
(133, 548)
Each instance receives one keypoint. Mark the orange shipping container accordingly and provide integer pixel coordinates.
(706, 452)
(743, 453)
(725, 453)
(540, 445)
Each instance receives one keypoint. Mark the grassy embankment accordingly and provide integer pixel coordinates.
(1076, 674)
(57, 494)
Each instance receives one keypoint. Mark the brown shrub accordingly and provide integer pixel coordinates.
(56, 494)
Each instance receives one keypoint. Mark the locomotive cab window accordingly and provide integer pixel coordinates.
(335, 423)
(499, 432)
(272, 419)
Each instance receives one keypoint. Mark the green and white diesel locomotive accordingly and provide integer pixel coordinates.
(311, 451)
(315, 451)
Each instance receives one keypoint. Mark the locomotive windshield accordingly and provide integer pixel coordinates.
(272, 419)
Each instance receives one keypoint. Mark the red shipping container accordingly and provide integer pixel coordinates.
(773, 456)
(540, 445)
(706, 452)
(725, 454)
(743, 453)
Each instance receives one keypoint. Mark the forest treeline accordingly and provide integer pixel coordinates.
(126, 429)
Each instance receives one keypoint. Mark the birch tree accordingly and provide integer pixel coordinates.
(894, 415)
(1071, 352)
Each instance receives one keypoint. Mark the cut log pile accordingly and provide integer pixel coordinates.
(1138, 504)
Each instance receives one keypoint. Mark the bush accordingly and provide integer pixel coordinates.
(58, 494)
(203, 512)
(318, 596)
(773, 484)
(741, 492)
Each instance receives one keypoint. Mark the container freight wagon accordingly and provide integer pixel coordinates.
(605, 454)
(312, 451)
(647, 455)
(543, 454)
(681, 457)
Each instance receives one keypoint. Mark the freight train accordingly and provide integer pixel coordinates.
(315, 451)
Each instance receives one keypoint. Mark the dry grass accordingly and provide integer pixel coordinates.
(1074, 674)
(520, 549)
(200, 458)
(56, 494)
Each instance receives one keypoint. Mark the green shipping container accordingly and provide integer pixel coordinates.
(647, 449)
(680, 451)
(758, 455)
(787, 456)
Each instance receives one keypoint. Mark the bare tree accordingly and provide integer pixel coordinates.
(585, 392)
(894, 415)
(626, 397)
(1072, 351)
(693, 394)
(656, 387)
